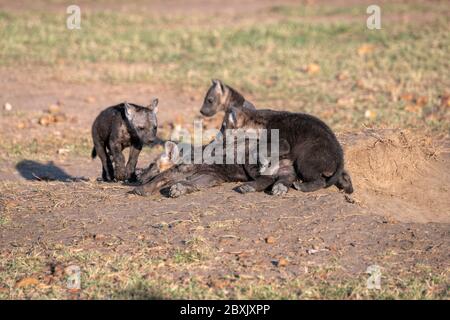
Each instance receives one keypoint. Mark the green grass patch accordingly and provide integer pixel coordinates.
(266, 60)
(124, 276)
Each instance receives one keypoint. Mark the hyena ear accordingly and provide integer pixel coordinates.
(129, 112)
(154, 105)
(171, 150)
(219, 86)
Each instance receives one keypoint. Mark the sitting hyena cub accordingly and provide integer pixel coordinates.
(118, 127)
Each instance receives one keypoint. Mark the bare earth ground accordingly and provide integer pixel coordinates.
(397, 218)
(214, 243)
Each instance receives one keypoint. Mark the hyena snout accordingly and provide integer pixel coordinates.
(208, 110)
(149, 136)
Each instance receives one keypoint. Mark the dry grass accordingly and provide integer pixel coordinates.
(144, 276)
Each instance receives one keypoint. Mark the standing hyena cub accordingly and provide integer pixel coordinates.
(118, 127)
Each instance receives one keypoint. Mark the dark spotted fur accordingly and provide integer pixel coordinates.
(118, 127)
(315, 152)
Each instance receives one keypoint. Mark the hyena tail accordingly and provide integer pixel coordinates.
(93, 153)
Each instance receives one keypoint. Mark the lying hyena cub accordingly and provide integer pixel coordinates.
(166, 160)
(315, 152)
(185, 177)
(118, 127)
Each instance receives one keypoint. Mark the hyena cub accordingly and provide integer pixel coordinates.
(221, 97)
(118, 127)
(166, 160)
(315, 153)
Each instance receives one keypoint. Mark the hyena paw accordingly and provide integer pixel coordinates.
(297, 185)
(279, 189)
(106, 177)
(177, 190)
(120, 174)
(132, 178)
(245, 188)
(139, 191)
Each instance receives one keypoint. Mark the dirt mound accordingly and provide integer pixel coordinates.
(401, 173)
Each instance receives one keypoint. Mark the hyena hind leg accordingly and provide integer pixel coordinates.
(310, 186)
(279, 189)
(107, 167)
(195, 183)
(286, 177)
(259, 184)
(282, 185)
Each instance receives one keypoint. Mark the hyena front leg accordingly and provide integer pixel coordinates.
(261, 183)
(119, 162)
(148, 173)
(155, 184)
(194, 183)
(310, 186)
(131, 164)
(163, 179)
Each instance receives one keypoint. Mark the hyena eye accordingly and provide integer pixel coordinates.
(141, 128)
(210, 99)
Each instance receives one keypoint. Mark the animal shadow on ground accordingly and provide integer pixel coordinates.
(33, 170)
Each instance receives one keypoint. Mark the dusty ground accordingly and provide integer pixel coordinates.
(215, 243)
(397, 218)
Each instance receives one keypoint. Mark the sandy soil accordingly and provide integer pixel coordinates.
(401, 200)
